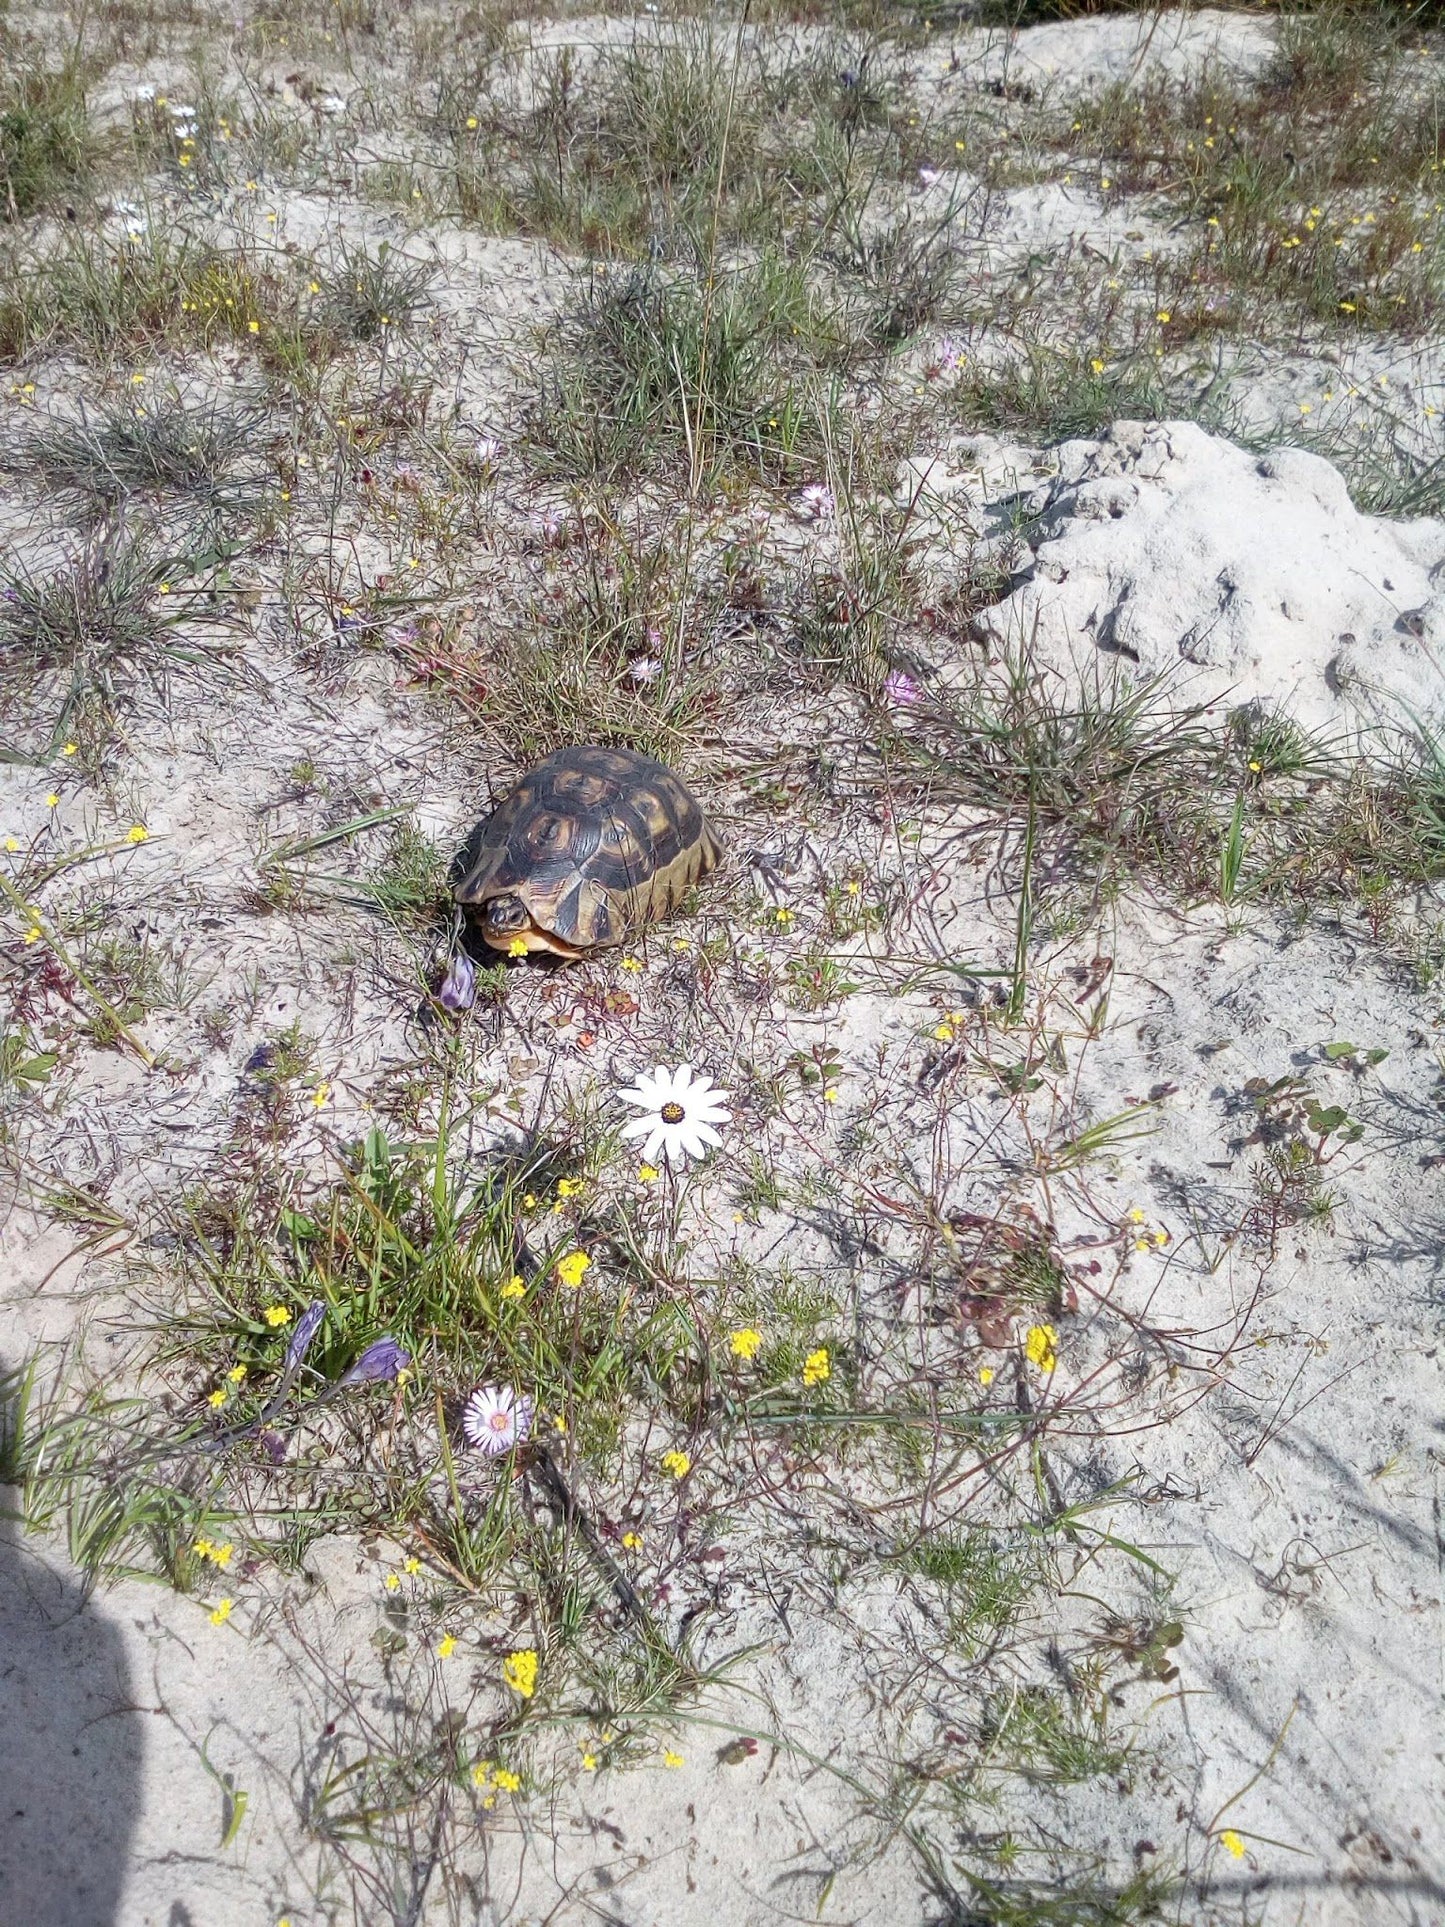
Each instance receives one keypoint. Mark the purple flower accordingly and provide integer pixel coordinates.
(901, 689)
(950, 357)
(816, 502)
(307, 1327)
(383, 1359)
(458, 989)
(929, 176)
(273, 1445)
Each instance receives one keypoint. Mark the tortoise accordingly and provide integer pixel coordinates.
(588, 847)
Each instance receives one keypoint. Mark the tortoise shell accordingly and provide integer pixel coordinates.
(590, 846)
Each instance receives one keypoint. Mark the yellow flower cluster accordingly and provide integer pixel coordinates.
(817, 1366)
(677, 1463)
(492, 1779)
(746, 1343)
(519, 1670)
(219, 1556)
(572, 1269)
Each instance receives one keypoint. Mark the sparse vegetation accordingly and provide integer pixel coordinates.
(401, 399)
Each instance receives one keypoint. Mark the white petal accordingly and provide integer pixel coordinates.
(654, 1144)
(662, 1080)
(690, 1142)
(645, 1100)
(639, 1126)
(704, 1133)
(681, 1078)
(714, 1113)
(673, 1147)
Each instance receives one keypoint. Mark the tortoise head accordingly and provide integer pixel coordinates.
(505, 920)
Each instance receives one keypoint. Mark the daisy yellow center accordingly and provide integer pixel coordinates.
(673, 1113)
(499, 1421)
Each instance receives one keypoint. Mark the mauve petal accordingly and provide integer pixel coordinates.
(458, 989)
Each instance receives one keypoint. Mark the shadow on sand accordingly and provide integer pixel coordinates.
(71, 1751)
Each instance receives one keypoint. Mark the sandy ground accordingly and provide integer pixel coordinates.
(1265, 1427)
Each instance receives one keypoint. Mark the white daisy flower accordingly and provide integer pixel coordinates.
(682, 1110)
(495, 1418)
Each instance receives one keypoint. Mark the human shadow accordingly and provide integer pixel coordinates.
(72, 1758)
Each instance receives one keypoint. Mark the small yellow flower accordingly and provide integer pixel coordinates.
(985, 1374)
(573, 1268)
(320, 1095)
(817, 1366)
(482, 1773)
(277, 1315)
(669, 1758)
(648, 1174)
(216, 1400)
(517, 947)
(12, 844)
(633, 964)
(830, 1096)
(632, 1541)
(519, 1670)
(853, 887)
(677, 1463)
(1136, 1216)
(570, 1187)
(222, 1612)
(1042, 1347)
(203, 1548)
(32, 935)
(506, 1780)
(137, 833)
(589, 1762)
(411, 1567)
(784, 917)
(392, 1582)
(446, 1646)
(237, 1374)
(745, 1342)
(471, 122)
(514, 1288)
(1163, 315)
(1231, 1843)
(221, 1555)
(1141, 1244)
(52, 799)
(70, 749)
